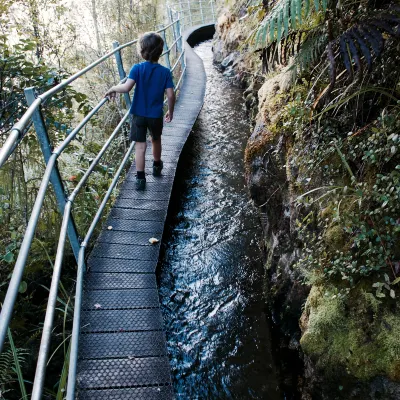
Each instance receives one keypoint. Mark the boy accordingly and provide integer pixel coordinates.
(152, 80)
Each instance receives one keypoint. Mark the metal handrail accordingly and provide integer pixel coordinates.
(172, 46)
(51, 305)
(186, 8)
(12, 292)
(73, 361)
(33, 116)
(18, 128)
(34, 111)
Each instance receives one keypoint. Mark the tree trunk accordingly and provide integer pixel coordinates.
(34, 15)
(96, 26)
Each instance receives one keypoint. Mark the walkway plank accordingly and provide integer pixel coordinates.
(123, 353)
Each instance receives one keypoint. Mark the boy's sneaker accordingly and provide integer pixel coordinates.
(157, 169)
(140, 183)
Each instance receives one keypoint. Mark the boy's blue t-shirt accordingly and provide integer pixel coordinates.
(151, 81)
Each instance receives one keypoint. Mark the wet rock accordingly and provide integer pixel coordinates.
(250, 101)
(294, 344)
(178, 297)
(218, 51)
(230, 59)
(229, 72)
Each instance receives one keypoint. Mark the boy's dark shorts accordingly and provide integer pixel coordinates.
(140, 125)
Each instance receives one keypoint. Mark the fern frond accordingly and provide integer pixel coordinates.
(272, 30)
(371, 39)
(6, 364)
(345, 56)
(279, 26)
(366, 39)
(299, 10)
(384, 26)
(264, 33)
(363, 47)
(293, 12)
(354, 52)
(311, 50)
(18, 359)
(284, 15)
(378, 36)
(306, 7)
(286, 18)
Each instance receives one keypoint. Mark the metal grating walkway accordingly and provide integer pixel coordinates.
(122, 352)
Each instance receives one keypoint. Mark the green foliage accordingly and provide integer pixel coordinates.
(11, 360)
(17, 72)
(285, 15)
(39, 51)
(292, 28)
(358, 232)
(17, 366)
(62, 385)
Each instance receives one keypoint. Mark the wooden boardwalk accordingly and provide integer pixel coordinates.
(122, 343)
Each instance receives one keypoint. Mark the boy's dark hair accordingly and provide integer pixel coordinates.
(151, 46)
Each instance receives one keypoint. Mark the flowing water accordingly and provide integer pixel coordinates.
(212, 272)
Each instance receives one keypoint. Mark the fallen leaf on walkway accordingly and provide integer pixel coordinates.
(153, 240)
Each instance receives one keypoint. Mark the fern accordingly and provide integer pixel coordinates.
(10, 366)
(279, 26)
(306, 7)
(311, 50)
(293, 12)
(354, 48)
(6, 364)
(284, 16)
(365, 40)
(17, 365)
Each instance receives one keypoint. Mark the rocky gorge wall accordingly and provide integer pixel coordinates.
(334, 340)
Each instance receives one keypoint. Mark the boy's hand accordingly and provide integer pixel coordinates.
(111, 93)
(168, 117)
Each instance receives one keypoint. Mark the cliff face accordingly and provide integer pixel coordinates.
(338, 331)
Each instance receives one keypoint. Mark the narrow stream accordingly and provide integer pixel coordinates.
(212, 275)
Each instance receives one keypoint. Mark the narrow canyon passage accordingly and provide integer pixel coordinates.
(211, 277)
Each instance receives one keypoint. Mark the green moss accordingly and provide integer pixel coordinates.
(343, 335)
(334, 237)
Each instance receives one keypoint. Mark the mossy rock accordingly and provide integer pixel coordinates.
(345, 336)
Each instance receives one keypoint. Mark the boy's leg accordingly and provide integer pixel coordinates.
(138, 134)
(157, 147)
(140, 150)
(156, 126)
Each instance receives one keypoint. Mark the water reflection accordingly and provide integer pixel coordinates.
(212, 274)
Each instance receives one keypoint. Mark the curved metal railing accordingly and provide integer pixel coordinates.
(65, 203)
(181, 15)
(192, 13)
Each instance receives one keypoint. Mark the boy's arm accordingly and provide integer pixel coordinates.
(171, 105)
(121, 88)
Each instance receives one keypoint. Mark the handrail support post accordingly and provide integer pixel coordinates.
(121, 71)
(190, 13)
(55, 179)
(166, 50)
(201, 11)
(212, 10)
(180, 43)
